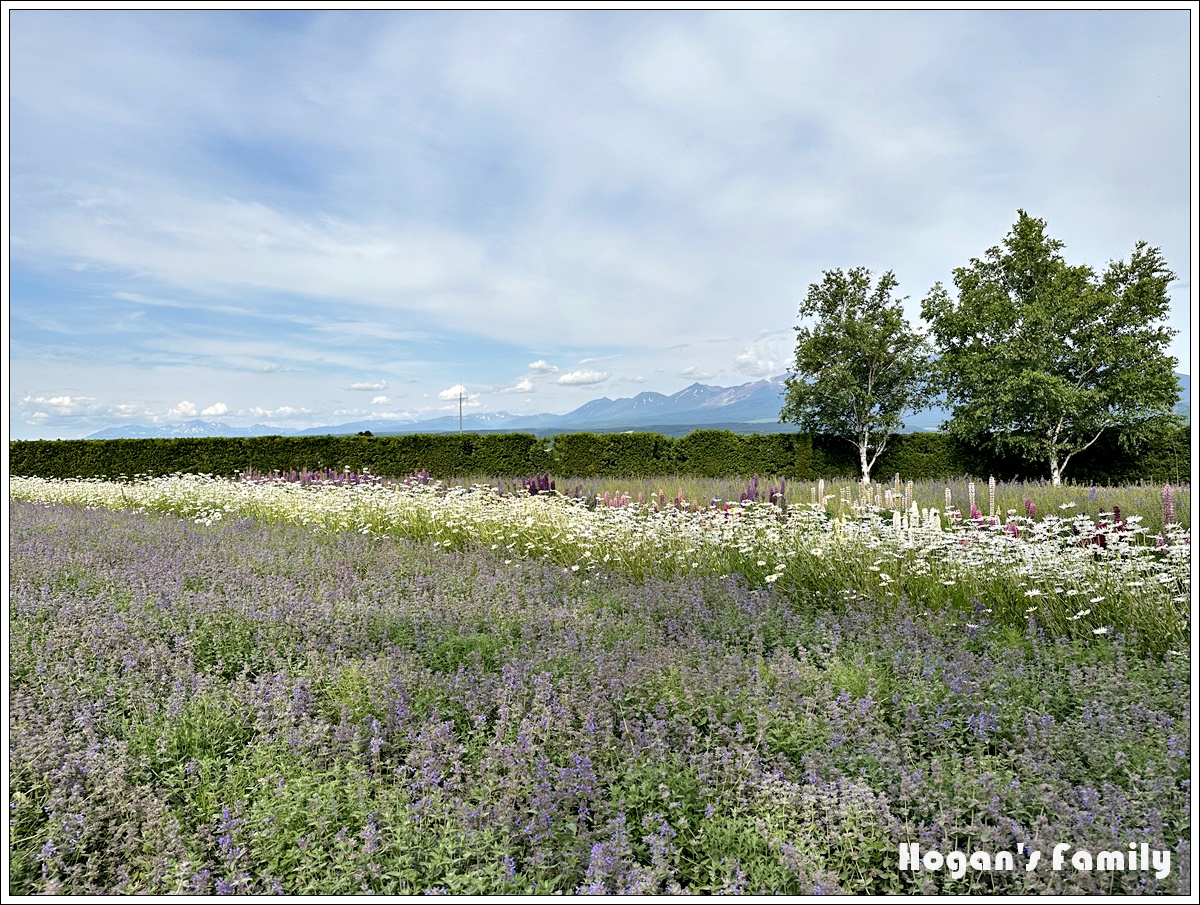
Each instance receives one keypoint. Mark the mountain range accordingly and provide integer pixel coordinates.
(748, 408)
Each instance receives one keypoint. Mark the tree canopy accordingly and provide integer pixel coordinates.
(1040, 357)
(859, 366)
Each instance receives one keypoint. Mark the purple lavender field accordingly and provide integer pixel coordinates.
(253, 708)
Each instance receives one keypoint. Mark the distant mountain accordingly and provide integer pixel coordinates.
(698, 404)
(751, 406)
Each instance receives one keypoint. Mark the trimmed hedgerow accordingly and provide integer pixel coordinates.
(702, 453)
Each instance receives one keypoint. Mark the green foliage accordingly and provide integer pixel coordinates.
(445, 455)
(711, 453)
(859, 366)
(702, 453)
(590, 455)
(1040, 358)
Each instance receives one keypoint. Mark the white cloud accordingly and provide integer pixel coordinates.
(284, 411)
(584, 378)
(657, 180)
(755, 362)
(524, 385)
(380, 400)
(458, 396)
(185, 409)
(219, 408)
(62, 402)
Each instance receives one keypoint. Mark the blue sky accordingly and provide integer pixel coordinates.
(307, 218)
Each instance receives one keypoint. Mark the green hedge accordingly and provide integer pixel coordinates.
(702, 453)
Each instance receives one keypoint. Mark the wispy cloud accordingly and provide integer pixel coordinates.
(263, 218)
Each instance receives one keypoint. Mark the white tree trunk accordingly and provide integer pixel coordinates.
(1055, 472)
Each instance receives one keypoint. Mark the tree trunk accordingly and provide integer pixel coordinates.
(866, 466)
(1055, 472)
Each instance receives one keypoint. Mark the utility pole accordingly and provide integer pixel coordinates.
(460, 402)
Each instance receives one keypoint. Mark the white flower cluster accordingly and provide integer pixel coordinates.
(1053, 557)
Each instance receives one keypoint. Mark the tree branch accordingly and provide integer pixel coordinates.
(1063, 467)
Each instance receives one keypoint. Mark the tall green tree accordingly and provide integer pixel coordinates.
(1040, 357)
(859, 364)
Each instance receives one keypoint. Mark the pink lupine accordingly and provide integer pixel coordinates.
(1168, 502)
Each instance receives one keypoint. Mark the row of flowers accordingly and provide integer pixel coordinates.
(920, 553)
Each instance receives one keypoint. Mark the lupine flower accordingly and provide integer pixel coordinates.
(1168, 505)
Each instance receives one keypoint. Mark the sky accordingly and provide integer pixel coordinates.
(302, 218)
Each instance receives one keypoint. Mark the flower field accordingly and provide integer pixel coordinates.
(334, 686)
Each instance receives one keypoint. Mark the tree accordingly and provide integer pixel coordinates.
(1039, 357)
(859, 366)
